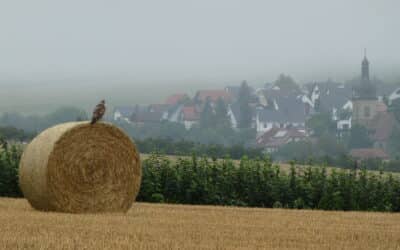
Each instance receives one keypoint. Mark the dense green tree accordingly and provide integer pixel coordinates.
(286, 83)
(359, 137)
(245, 112)
(221, 114)
(207, 116)
(12, 133)
(321, 124)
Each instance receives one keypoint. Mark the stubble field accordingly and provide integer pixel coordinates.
(154, 226)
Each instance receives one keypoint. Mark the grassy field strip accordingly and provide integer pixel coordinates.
(156, 226)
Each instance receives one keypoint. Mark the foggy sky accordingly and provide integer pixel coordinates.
(74, 52)
(210, 41)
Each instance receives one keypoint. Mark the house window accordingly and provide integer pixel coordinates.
(367, 111)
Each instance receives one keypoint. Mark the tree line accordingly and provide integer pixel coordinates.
(36, 123)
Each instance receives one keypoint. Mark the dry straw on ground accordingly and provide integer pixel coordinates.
(81, 168)
(156, 226)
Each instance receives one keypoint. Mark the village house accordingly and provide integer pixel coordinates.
(189, 116)
(287, 112)
(154, 113)
(380, 129)
(140, 114)
(233, 113)
(123, 113)
(275, 138)
(273, 107)
(328, 96)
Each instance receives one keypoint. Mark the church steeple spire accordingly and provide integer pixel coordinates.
(365, 68)
(365, 90)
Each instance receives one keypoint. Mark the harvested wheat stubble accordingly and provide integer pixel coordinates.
(81, 168)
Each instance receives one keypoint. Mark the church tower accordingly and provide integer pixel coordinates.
(365, 100)
(365, 68)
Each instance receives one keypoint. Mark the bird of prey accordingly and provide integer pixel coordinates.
(98, 112)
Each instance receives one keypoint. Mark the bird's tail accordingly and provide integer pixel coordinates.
(93, 121)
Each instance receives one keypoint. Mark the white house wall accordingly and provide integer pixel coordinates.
(117, 115)
(232, 118)
(189, 124)
(175, 116)
(342, 123)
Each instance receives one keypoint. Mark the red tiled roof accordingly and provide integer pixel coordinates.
(174, 99)
(368, 153)
(190, 114)
(202, 95)
(382, 126)
(264, 138)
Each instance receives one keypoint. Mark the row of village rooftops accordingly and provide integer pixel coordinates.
(278, 115)
(280, 108)
(271, 106)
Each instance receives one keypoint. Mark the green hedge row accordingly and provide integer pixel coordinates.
(258, 183)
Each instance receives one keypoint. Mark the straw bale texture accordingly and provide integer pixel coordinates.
(81, 168)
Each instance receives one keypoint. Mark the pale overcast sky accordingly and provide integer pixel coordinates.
(194, 41)
(141, 51)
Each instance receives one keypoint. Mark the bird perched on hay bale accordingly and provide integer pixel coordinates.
(98, 112)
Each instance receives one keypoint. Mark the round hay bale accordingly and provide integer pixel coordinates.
(81, 168)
